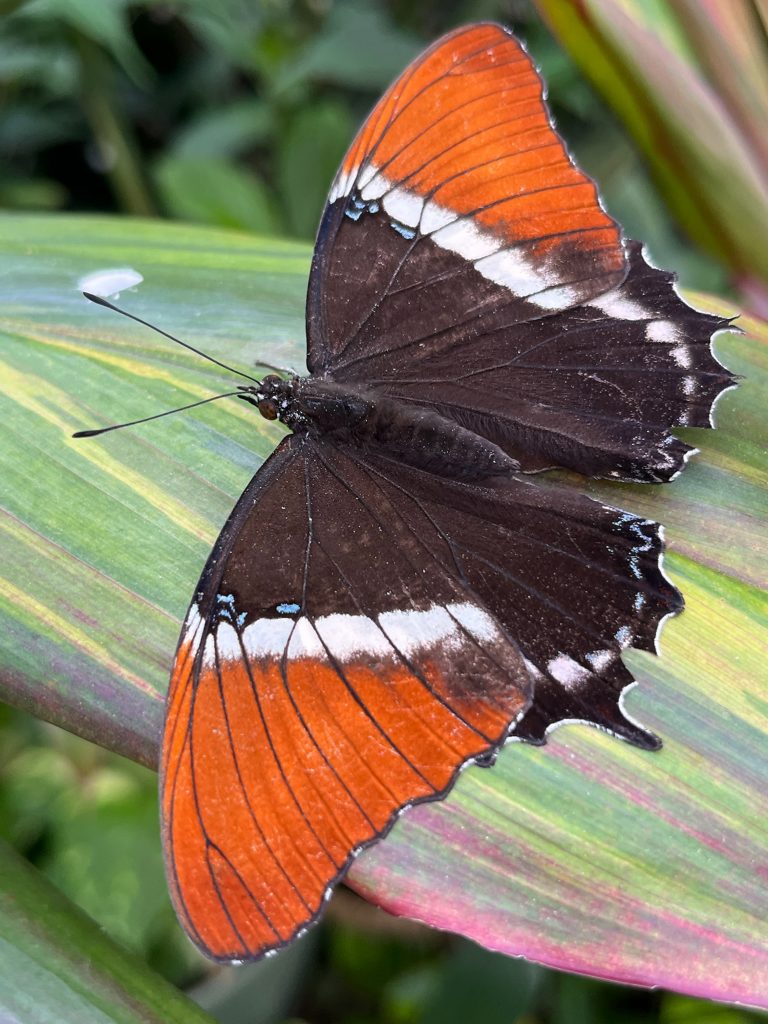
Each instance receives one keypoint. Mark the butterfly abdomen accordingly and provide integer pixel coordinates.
(425, 439)
(396, 429)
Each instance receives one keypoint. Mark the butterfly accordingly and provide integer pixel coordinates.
(397, 592)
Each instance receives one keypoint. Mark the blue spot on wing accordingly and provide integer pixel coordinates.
(226, 611)
(288, 608)
(401, 229)
(357, 207)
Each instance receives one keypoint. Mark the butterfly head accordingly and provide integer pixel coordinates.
(275, 398)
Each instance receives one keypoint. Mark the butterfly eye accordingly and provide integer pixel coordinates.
(268, 409)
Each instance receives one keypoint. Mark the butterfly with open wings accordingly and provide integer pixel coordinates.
(395, 594)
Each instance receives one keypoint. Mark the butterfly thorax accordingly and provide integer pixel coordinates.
(352, 417)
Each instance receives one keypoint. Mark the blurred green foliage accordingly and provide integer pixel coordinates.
(236, 113)
(689, 80)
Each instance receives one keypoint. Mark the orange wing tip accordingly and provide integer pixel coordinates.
(248, 798)
(242, 956)
(503, 194)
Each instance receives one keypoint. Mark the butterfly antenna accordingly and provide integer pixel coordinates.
(131, 316)
(157, 416)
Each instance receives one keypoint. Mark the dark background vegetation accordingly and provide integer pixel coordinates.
(236, 113)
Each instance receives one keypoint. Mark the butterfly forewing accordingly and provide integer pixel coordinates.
(311, 702)
(457, 197)
(464, 264)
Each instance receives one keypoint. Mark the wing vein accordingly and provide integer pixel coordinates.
(233, 750)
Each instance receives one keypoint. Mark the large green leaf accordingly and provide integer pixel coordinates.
(586, 854)
(57, 965)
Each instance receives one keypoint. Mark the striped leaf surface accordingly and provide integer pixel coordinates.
(587, 854)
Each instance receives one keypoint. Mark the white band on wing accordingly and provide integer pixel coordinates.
(349, 637)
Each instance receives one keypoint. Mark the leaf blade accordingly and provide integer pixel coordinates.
(587, 855)
(56, 964)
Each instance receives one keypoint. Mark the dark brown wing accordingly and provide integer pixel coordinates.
(360, 632)
(597, 389)
(573, 581)
(456, 198)
(332, 670)
(465, 264)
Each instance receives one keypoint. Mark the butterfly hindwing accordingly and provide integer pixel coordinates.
(597, 388)
(573, 581)
(311, 702)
